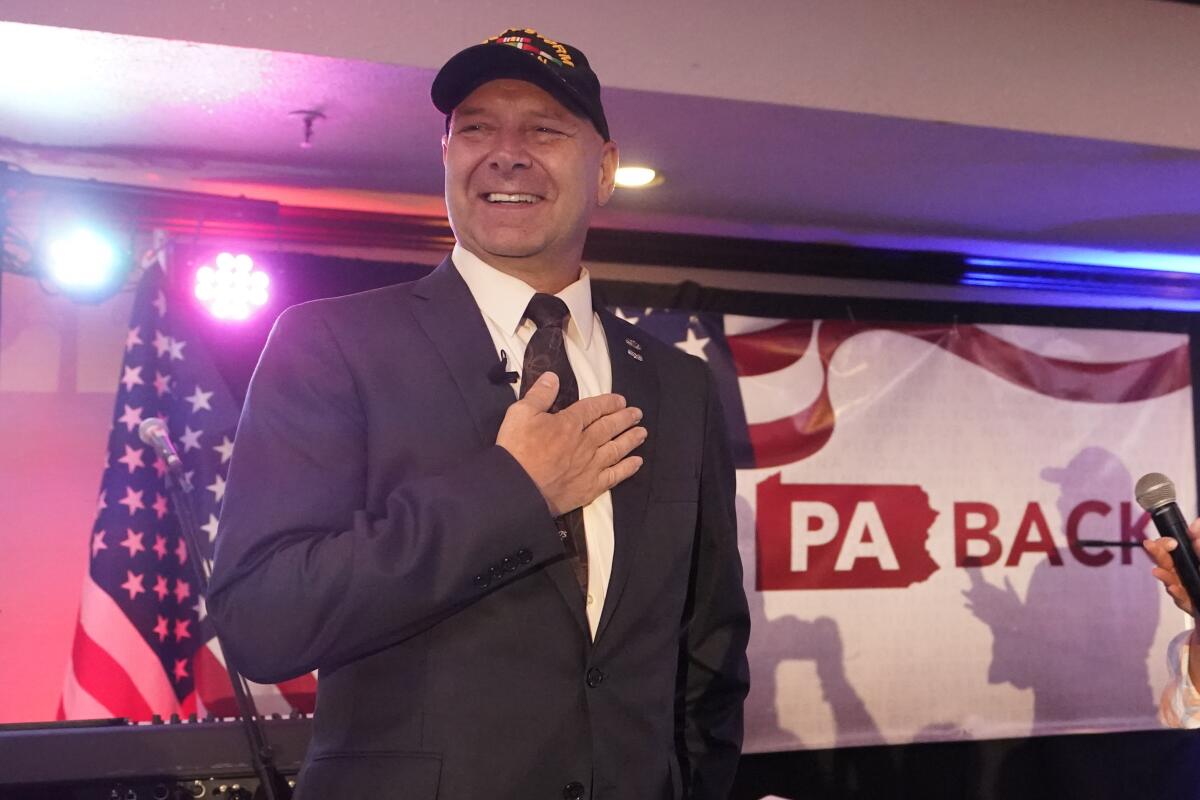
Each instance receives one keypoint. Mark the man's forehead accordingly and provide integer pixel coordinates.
(509, 92)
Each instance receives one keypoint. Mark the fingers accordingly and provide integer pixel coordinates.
(610, 425)
(621, 471)
(1164, 572)
(541, 395)
(615, 449)
(589, 409)
(1160, 551)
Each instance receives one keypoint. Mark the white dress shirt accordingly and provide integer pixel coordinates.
(503, 299)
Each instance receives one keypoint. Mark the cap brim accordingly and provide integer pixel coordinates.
(475, 66)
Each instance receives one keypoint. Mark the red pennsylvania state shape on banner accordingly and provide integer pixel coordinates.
(814, 536)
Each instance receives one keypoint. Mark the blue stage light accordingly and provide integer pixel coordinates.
(84, 264)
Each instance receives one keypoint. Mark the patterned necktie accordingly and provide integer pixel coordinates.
(546, 352)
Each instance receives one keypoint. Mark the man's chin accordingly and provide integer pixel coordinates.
(512, 249)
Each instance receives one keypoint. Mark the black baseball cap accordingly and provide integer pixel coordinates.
(523, 54)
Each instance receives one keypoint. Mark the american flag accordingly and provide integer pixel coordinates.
(143, 645)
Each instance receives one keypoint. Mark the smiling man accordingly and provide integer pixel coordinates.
(496, 517)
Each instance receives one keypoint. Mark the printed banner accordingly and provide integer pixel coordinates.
(921, 509)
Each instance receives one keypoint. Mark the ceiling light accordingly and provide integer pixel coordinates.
(637, 177)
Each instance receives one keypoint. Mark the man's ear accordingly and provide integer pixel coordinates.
(445, 141)
(610, 159)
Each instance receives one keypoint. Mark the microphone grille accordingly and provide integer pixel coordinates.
(149, 427)
(1153, 490)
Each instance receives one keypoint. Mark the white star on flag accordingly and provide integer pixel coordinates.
(190, 439)
(132, 377)
(176, 349)
(132, 458)
(98, 543)
(160, 303)
(133, 542)
(225, 448)
(133, 584)
(133, 338)
(199, 399)
(210, 527)
(200, 608)
(132, 500)
(217, 487)
(132, 417)
(693, 345)
(161, 343)
(162, 383)
(621, 315)
(159, 505)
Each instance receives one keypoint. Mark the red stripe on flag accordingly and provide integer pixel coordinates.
(770, 350)
(300, 692)
(103, 678)
(212, 684)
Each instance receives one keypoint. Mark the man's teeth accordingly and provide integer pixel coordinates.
(500, 197)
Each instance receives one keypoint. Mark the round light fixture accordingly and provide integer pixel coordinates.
(84, 263)
(232, 289)
(637, 177)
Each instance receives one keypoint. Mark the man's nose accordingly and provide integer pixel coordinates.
(509, 152)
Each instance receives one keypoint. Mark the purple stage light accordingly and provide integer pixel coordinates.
(233, 288)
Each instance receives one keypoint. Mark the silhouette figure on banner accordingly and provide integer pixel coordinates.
(772, 643)
(1080, 640)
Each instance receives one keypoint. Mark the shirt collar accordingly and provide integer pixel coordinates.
(503, 298)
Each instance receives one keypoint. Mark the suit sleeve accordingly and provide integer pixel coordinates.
(714, 674)
(304, 577)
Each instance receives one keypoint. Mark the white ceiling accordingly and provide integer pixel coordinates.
(988, 127)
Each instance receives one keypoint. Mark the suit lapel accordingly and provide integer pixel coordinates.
(635, 377)
(452, 321)
(455, 327)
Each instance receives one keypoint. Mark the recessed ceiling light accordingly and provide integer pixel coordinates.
(637, 177)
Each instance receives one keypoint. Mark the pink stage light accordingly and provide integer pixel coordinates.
(233, 289)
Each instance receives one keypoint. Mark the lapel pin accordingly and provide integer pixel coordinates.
(635, 355)
(634, 343)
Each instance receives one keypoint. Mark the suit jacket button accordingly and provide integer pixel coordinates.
(573, 791)
(525, 557)
(594, 677)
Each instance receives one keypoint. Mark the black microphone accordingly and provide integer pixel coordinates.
(153, 431)
(500, 374)
(1156, 494)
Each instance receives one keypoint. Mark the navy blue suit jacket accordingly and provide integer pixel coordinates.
(373, 530)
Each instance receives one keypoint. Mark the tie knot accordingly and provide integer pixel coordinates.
(547, 310)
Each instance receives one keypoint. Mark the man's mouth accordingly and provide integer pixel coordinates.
(503, 198)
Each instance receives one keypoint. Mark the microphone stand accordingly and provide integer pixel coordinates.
(262, 757)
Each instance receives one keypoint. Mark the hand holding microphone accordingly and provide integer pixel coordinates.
(1175, 553)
